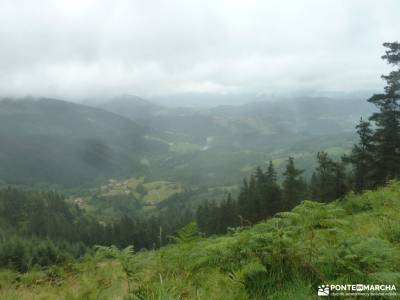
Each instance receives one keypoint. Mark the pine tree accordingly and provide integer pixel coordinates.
(294, 186)
(201, 216)
(387, 121)
(229, 213)
(340, 179)
(362, 158)
(243, 201)
(261, 197)
(328, 180)
(273, 194)
(270, 175)
(255, 199)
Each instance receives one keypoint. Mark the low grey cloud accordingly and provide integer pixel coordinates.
(86, 48)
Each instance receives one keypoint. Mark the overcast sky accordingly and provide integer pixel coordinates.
(81, 48)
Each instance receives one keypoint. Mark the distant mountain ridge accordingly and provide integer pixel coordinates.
(53, 141)
(131, 106)
(222, 144)
(305, 115)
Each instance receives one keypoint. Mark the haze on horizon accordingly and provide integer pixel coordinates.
(78, 49)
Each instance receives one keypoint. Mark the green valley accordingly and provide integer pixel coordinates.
(202, 150)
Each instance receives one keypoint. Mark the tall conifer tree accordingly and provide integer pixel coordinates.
(294, 186)
(387, 121)
(362, 158)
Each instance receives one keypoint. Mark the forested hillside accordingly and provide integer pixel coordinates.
(57, 142)
(199, 150)
(355, 239)
(277, 238)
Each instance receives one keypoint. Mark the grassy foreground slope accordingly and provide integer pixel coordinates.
(354, 240)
